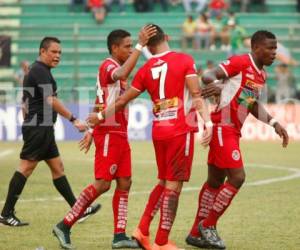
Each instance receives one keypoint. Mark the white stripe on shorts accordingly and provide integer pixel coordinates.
(220, 137)
(187, 144)
(105, 147)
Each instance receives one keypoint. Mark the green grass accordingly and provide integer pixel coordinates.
(260, 217)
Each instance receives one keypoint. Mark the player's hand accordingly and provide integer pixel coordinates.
(146, 33)
(206, 137)
(85, 142)
(80, 125)
(92, 119)
(211, 89)
(282, 133)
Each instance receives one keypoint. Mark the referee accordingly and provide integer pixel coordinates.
(40, 108)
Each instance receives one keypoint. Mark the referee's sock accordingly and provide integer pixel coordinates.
(63, 187)
(15, 188)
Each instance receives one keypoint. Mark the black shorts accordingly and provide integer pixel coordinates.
(39, 143)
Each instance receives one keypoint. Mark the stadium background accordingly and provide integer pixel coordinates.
(266, 214)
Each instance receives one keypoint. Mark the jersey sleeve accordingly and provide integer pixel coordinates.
(108, 71)
(139, 80)
(190, 67)
(232, 66)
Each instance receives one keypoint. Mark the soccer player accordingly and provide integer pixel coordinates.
(40, 108)
(237, 84)
(112, 156)
(171, 80)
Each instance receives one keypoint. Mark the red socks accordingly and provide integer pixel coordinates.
(168, 211)
(205, 202)
(222, 202)
(120, 209)
(87, 196)
(151, 209)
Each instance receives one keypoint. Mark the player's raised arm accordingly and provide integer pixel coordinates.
(123, 72)
(259, 112)
(120, 103)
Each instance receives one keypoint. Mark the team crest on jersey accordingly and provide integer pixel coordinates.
(235, 155)
(113, 168)
(109, 67)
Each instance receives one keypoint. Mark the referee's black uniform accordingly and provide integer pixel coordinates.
(37, 129)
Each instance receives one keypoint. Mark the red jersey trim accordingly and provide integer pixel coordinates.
(161, 54)
(254, 65)
(136, 89)
(190, 75)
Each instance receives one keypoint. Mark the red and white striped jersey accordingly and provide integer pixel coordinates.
(163, 76)
(241, 89)
(108, 90)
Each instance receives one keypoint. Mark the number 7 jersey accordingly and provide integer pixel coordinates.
(164, 76)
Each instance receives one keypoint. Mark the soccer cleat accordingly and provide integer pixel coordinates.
(126, 243)
(211, 236)
(143, 240)
(196, 241)
(63, 235)
(89, 211)
(12, 221)
(169, 246)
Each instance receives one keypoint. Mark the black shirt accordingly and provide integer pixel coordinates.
(38, 84)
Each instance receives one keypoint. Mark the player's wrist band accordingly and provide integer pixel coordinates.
(138, 47)
(209, 124)
(272, 122)
(100, 116)
(73, 118)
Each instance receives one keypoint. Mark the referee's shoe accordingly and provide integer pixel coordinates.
(12, 220)
(89, 211)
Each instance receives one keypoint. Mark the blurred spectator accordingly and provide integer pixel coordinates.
(209, 66)
(245, 4)
(203, 32)
(286, 84)
(121, 4)
(188, 32)
(220, 32)
(201, 4)
(20, 73)
(142, 5)
(298, 5)
(19, 77)
(97, 7)
(77, 3)
(217, 6)
(237, 36)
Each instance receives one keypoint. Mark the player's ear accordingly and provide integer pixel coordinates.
(167, 38)
(114, 47)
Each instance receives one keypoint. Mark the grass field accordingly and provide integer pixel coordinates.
(264, 215)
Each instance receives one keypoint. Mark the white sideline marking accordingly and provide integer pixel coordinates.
(6, 152)
(295, 174)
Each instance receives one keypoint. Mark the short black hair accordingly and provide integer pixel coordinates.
(260, 35)
(158, 37)
(115, 37)
(45, 43)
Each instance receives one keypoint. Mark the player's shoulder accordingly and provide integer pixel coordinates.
(240, 60)
(108, 63)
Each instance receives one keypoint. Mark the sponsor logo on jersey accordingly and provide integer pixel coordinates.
(235, 155)
(113, 168)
